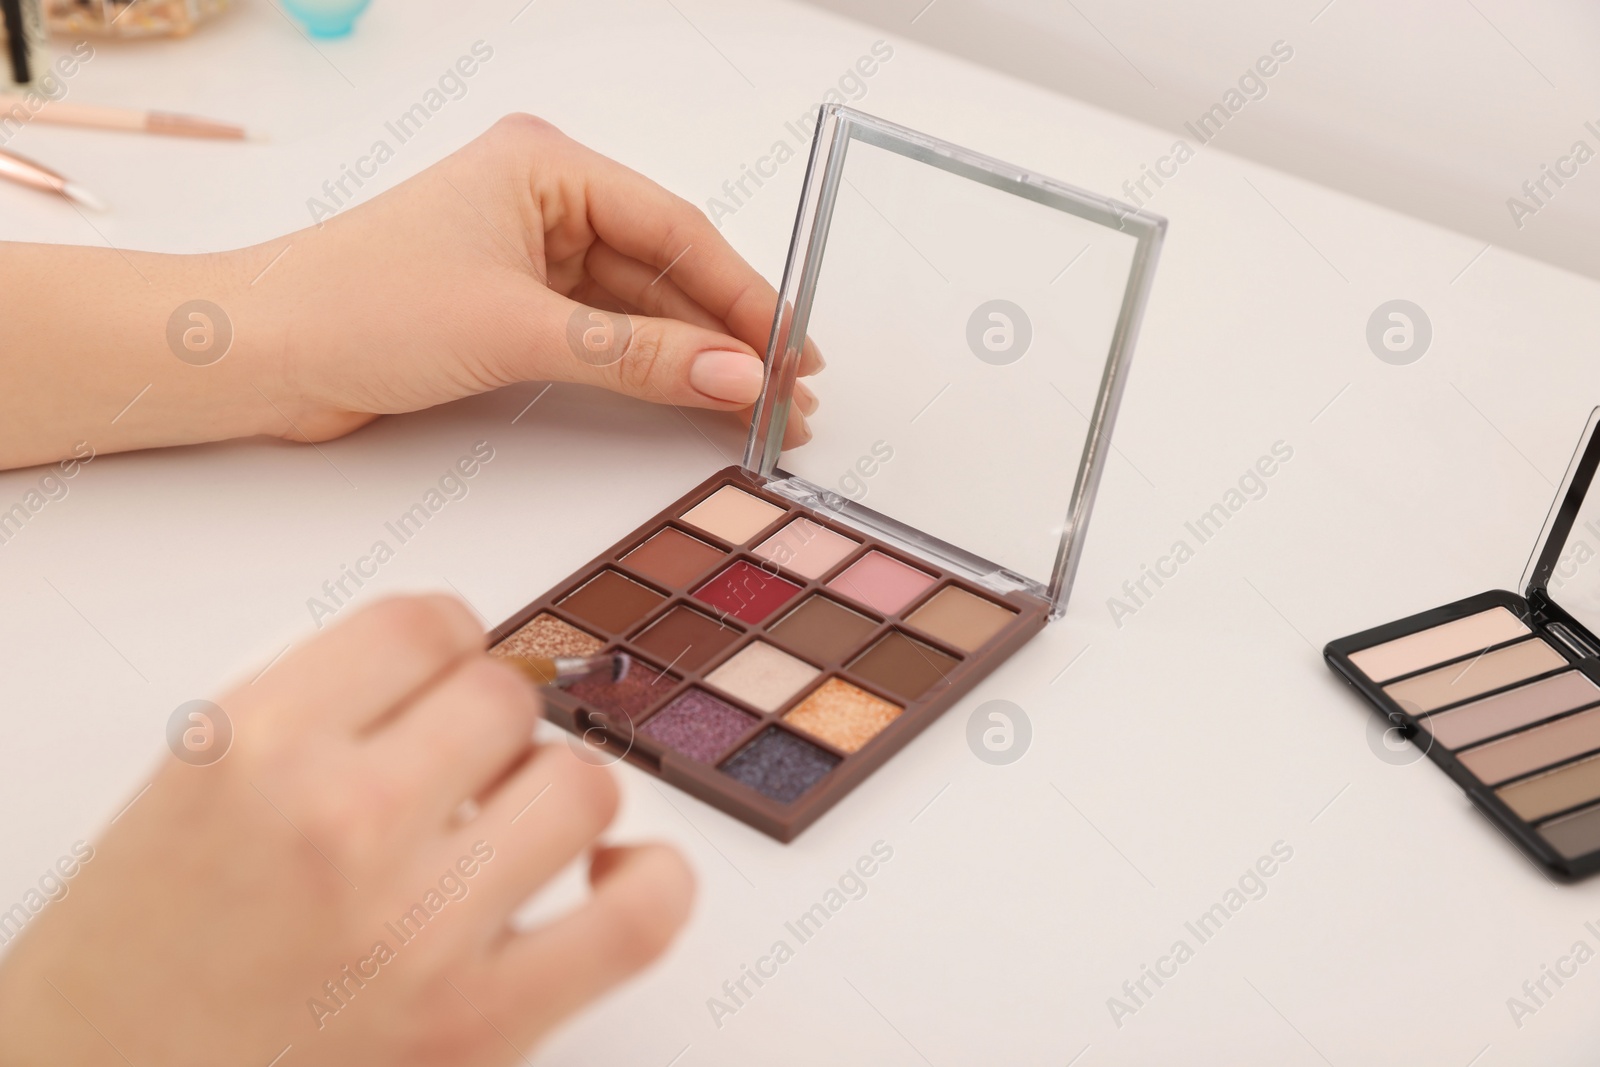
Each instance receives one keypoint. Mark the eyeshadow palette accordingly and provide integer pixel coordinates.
(769, 712)
(1502, 690)
(796, 619)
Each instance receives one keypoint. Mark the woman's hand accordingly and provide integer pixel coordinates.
(522, 257)
(316, 887)
(496, 266)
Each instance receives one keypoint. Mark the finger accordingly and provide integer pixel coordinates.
(663, 360)
(651, 291)
(642, 896)
(457, 739)
(645, 222)
(358, 671)
(541, 817)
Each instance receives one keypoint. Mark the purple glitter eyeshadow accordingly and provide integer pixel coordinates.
(698, 725)
(780, 765)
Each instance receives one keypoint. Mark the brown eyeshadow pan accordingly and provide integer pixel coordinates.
(685, 639)
(821, 629)
(903, 665)
(611, 602)
(764, 694)
(672, 558)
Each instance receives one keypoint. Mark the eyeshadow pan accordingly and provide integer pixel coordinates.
(546, 635)
(964, 620)
(843, 715)
(672, 558)
(881, 582)
(1509, 757)
(732, 514)
(632, 697)
(698, 725)
(612, 602)
(762, 676)
(1553, 791)
(686, 639)
(780, 765)
(806, 548)
(1470, 678)
(1438, 643)
(825, 631)
(1511, 710)
(904, 666)
(1575, 834)
(747, 592)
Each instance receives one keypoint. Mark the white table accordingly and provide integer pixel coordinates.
(1168, 754)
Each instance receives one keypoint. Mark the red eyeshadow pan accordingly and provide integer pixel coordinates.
(746, 592)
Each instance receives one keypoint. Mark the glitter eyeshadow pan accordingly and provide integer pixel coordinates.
(766, 686)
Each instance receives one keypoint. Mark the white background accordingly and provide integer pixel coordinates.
(1167, 754)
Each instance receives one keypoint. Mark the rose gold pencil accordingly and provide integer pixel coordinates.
(25, 171)
(96, 116)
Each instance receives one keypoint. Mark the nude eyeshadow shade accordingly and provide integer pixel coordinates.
(955, 615)
(806, 548)
(611, 602)
(881, 582)
(762, 675)
(733, 514)
(673, 558)
(746, 592)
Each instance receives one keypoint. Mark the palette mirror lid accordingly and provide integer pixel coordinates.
(1564, 569)
(976, 321)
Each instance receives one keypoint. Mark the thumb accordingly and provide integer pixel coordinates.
(662, 360)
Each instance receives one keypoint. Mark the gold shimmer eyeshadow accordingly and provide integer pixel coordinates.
(842, 715)
(546, 635)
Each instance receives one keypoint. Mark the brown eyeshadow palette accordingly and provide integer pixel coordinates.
(780, 657)
(1502, 691)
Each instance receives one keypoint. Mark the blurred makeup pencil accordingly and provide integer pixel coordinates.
(99, 117)
(25, 171)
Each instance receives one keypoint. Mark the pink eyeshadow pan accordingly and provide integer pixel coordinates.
(881, 582)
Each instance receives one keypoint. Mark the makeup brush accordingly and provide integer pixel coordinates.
(25, 171)
(100, 117)
(559, 670)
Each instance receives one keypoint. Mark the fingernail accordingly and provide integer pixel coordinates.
(721, 374)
